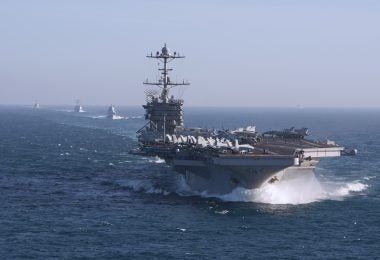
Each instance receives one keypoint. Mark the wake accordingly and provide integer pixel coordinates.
(105, 117)
(299, 189)
(303, 189)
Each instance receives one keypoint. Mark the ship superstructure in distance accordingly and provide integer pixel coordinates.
(111, 112)
(36, 105)
(218, 161)
(78, 107)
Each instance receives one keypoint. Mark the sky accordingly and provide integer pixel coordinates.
(316, 53)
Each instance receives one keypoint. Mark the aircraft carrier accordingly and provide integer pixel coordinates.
(218, 161)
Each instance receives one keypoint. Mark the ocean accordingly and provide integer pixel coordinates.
(70, 190)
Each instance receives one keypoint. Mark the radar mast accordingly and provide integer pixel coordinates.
(164, 82)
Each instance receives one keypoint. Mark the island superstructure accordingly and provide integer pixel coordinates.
(218, 161)
(163, 112)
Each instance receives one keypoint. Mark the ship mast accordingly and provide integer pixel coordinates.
(164, 82)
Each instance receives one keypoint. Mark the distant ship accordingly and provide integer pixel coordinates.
(111, 113)
(78, 107)
(218, 161)
(36, 105)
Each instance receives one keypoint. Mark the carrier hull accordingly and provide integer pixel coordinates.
(222, 176)
(224, 180)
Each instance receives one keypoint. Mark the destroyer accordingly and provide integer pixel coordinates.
(78, 107)
(111, 112)
(36, 105)
(220, 161)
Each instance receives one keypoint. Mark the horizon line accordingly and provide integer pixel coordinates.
(197, 106)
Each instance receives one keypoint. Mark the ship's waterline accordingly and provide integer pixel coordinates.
(216, 179)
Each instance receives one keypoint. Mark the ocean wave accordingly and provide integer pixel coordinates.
(64, 110)
(346, 189)
(222, 212)
(98, 117)
(144, 186)
(105, 117)
(156, 160)
(119, 117)
(369, 178)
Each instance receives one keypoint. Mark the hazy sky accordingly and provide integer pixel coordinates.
(239, 53)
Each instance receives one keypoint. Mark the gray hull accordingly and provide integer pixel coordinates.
(216, 179)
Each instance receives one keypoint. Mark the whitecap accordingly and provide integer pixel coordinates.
(117, 117)
(157, 160)
(63, 110)
(222, 212)
(348, 188)
(98, 117)
(145, 186)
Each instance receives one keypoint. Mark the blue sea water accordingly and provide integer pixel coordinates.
(69, 189)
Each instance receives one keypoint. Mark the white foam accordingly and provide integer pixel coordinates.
(105, 117)
(222, 212)
(157, 160)
(63, 110)
(106, 223)
(145, 186)
(117, 117)
(348, 188)
(303, 189)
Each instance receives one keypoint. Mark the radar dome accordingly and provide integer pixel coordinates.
(165, 50)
